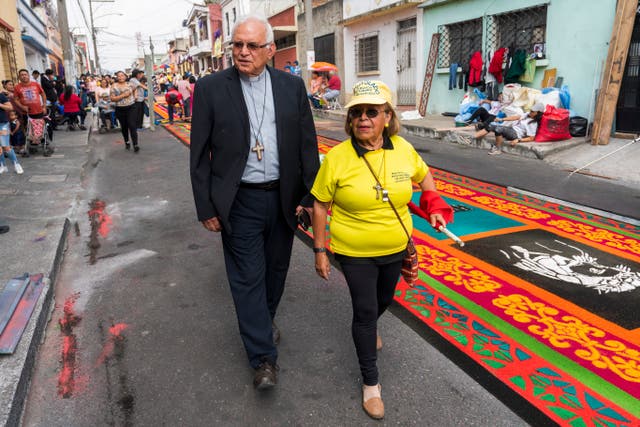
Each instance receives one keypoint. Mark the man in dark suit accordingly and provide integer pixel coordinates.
(253, 162)
(47, 83)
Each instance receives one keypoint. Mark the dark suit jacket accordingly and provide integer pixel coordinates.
(220, 143)
(49, 89)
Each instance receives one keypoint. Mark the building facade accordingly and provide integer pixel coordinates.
(563, 32)
(34, 35)
(200, 46)
(381, 43)
(11, 48)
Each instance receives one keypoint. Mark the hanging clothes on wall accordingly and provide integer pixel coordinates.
(529, 70)
(475, 69)
(517, 67)
(453, 70)
(491, 84)
(495, 66)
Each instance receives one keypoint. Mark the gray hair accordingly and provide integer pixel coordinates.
(254, 17)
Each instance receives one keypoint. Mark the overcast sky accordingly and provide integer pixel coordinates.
(117, 46)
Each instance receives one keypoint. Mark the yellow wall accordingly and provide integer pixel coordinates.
(9, 14)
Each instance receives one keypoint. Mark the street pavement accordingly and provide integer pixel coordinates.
(157, 341)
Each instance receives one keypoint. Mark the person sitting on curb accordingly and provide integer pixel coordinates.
(524, 129)
(486, 115)
(333, 87)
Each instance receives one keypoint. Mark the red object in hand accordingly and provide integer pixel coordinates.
(432, 203)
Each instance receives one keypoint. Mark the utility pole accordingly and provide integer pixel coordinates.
(93, 36)
(94, 33)
(67, 52)
(308, 22)
(149, 61)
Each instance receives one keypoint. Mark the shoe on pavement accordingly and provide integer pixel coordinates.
(136, 148)
(266, 376)
(83, 127)
(494, 151)
(127, 146)
(19, 169)
(374, 407)
(4, 229)
(3, 169)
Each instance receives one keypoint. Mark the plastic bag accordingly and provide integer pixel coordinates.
(578, 126)
(554, 125)
(565, 97)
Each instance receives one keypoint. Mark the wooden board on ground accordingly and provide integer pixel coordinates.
(10, 337)
(9, 298)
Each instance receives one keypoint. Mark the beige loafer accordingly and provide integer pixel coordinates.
(374, 407)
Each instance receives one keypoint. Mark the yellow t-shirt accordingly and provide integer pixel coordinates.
(361, 225)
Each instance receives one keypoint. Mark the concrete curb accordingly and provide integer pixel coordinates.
(43, 313)
(464, 136)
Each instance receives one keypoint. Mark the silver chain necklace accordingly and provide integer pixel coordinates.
(258, 148)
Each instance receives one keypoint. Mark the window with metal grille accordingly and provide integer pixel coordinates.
(520, 29)
(458, 41)
(366, 52)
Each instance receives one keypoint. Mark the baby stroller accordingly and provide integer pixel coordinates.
(39, 135)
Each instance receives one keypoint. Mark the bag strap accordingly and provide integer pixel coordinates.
(390, 202)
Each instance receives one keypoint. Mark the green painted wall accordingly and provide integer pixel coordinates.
(578, 33)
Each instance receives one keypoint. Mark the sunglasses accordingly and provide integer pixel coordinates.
(356, 113)
(251, 45)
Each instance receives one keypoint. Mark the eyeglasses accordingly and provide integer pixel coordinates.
(356, 113)
(251, 45)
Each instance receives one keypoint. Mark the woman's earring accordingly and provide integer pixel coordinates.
(386, 125)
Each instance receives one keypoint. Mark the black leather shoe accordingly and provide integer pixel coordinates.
(276, 333)
(266, 376)
(127, 146)
(136, 148)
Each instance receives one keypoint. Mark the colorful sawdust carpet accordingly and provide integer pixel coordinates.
(542, 296)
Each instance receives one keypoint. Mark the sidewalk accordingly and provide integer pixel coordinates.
(571, 154)
(36, 206)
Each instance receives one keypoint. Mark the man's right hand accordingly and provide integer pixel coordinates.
(212, 224)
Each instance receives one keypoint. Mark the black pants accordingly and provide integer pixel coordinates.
(485, 117)
(127, 118)
(139, 113)
(372, 288)
(256, 255)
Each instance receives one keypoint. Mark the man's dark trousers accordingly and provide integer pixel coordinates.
(257, 254)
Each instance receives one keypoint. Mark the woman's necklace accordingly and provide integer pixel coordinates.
(258, 148)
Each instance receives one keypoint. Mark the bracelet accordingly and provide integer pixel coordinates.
(319, 250)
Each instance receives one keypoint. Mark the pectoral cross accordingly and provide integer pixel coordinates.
(258, 149)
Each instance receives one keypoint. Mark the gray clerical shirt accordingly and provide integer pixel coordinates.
(253, 90)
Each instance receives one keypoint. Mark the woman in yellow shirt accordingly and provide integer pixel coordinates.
(366, 236)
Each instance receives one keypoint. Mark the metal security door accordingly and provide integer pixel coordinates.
(628, 111)
(406, 57)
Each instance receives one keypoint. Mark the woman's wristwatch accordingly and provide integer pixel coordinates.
(319, 250)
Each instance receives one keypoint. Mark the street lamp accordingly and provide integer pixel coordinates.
(93, 29)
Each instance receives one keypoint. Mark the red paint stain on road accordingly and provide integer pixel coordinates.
(69, 319)
(115, 334)
(99, 217)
